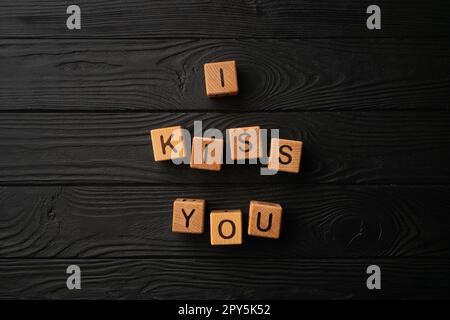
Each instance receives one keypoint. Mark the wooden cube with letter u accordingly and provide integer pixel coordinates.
(264, 219)
(226, 227)
(285, 155)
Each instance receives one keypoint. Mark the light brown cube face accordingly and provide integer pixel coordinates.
(264, 219)
(168, 143)
(207, 154)
(226, 227)
(221, 79)
(285, 155)
(245, 143)
(188, 215)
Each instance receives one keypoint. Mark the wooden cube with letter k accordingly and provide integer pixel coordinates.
(168, 143)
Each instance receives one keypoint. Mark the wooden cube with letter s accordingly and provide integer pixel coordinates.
(285, 155)
(245, 143)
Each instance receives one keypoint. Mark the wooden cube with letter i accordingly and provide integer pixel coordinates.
(188, 215)
(226, 227)
(168, 143)
(207, 153)
(221, 79)
(264, 219)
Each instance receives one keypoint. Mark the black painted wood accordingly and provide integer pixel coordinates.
(274, 75)
(318, 221)
(339, 148)
(224, 18)
(225, 279)
(371, 106)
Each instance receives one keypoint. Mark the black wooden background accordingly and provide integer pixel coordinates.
(79, 184)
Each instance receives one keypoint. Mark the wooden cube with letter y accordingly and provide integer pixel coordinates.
(264, 219)
(168, 143)
(285, 155)
(226, 227)
(188, 215)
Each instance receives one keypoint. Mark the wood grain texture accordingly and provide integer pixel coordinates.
(339, 148)
(264, 219)
(318, 221)
(224, 18)
(167, 75)
(225, 279)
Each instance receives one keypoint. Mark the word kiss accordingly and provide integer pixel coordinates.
(242, 144)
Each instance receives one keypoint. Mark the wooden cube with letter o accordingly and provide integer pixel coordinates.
(226, 227)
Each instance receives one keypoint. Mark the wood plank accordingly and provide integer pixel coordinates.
(224, 18)
(225, 279)
(275, 75)
(318, 221)
(339, 148)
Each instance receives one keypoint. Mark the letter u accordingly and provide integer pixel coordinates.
(258, 222)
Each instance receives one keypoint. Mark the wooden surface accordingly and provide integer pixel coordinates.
(339, 147)
(78, 183)
(224, 278)
(167, 75)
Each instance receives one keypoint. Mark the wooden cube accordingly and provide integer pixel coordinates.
(264, 219)
(221, 79)
(245, 143)
(207, 154)
(226, 227)
(285, 155)
(188, 215)
(168, 143)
